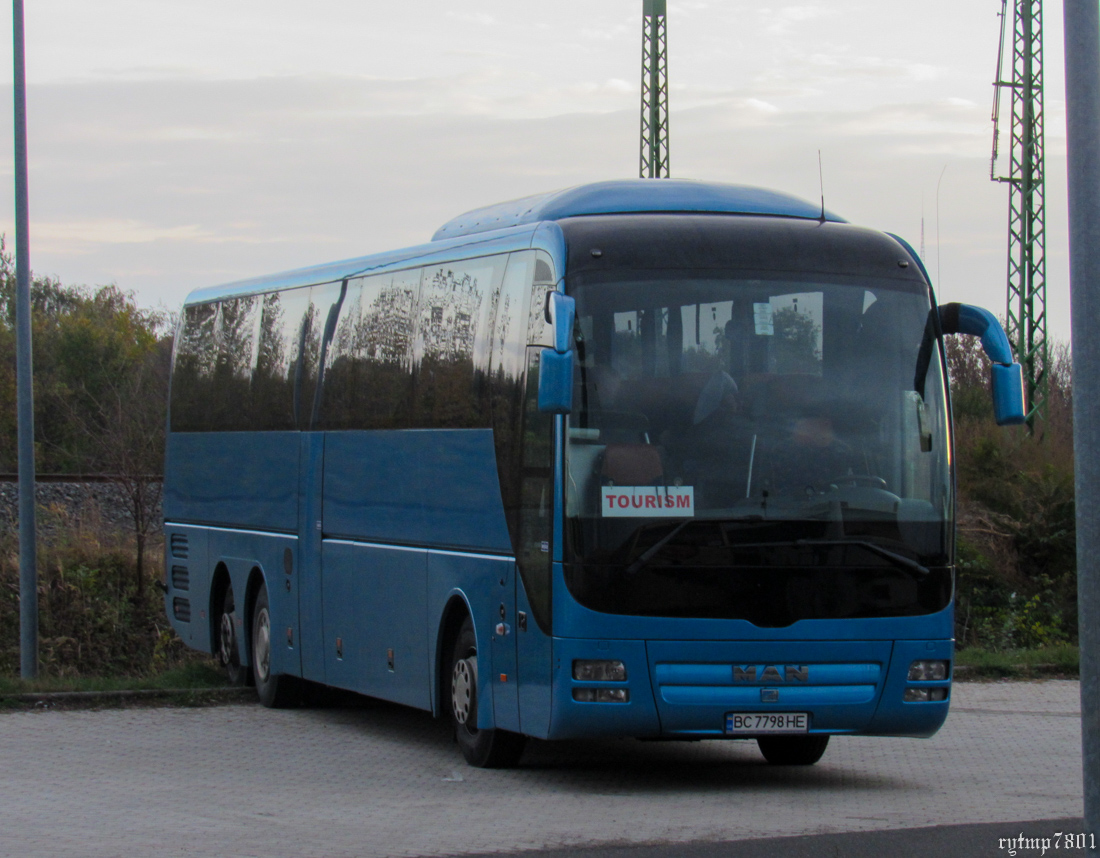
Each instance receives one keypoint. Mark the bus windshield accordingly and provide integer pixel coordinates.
(767, 447)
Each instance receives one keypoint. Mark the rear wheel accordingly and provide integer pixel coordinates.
(277, 691)
(229, 653)
(792, 750)
(490, 749)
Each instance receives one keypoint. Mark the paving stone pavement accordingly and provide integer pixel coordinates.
(383, 780)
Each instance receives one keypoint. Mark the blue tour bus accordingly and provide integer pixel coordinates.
(655, 459)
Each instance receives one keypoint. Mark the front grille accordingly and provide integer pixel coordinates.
(178, 545)
(181, 578)
(181, 608)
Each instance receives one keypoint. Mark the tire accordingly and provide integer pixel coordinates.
(486, 749)
(229, 651)
(793, 750)
(276, 691)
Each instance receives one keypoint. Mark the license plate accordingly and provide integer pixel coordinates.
(758, 723)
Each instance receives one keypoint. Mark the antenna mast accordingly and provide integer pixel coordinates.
(654, 154)
(1027, 320)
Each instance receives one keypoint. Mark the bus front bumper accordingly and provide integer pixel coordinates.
(689, 689)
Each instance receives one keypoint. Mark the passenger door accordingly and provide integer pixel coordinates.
(534, 558)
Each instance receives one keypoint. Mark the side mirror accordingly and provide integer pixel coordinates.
(1007, 375)
(556, 364)
(1008, 394)
(561, 310)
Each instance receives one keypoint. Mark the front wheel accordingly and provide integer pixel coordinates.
(276, 691)
(792, 750)
(488, 749)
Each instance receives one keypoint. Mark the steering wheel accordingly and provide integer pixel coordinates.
(859, 480)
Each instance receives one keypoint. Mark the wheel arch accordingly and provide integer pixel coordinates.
(219, 584)
(454, 613)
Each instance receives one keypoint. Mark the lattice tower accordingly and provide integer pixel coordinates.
(1027, 319)
(654, 153)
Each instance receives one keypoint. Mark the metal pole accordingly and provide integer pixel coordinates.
(28, 574)
(1082, 40)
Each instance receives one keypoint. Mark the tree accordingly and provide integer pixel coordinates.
(101, 366)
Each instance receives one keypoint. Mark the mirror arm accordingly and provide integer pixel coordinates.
(977, 322)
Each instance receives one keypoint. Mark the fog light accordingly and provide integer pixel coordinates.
(588, 670)
(926, 671)
(601, 695)
(925, 695)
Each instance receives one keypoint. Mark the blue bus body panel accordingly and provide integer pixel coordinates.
(573, 720)
(433, 487)
(895, 717)
(622, 196)
(233, 479)
(375, 603)
(474, 578)
(535, 667)
(247, 556)
(185, 550)
(308, 563)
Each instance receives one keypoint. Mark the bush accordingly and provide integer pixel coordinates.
(1017, 570)
(92, 619)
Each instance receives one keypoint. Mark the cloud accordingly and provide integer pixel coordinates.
(167, 186)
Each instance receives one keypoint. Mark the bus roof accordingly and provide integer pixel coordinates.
(623, 196)
(513, 222)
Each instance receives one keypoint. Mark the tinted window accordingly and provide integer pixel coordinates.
(193, 369)
(452, 345)
(368, 371)
(229, 393)
(277, 352)
(318, 327)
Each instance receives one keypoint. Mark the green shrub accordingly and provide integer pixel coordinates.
(92, 619)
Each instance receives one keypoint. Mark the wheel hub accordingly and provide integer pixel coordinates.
(463, 688)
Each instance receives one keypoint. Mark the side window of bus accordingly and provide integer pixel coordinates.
(277, 352)
(536, 517)
(193, 369)
(452, 345)
(538, 329)
(230, 396)
(368, 380)
(317, 328)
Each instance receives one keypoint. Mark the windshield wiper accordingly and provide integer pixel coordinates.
(643, 559)
(899, 560)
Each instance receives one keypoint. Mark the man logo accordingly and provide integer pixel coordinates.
(770, 673)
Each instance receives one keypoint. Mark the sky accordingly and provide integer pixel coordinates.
(179, 144)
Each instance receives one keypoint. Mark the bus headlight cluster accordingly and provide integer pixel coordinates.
(927, 671)
(601, 695)
(591, 670)
(925, 695)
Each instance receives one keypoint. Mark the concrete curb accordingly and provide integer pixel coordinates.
(47, 697)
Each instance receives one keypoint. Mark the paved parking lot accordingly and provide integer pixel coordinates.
(382, 780)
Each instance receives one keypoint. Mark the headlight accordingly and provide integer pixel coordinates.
(925, 695)
(928, 671)
(601, 695)
(588, 670)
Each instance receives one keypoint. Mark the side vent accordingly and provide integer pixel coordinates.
(181, 578)
(178, 545)
(181, 608)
